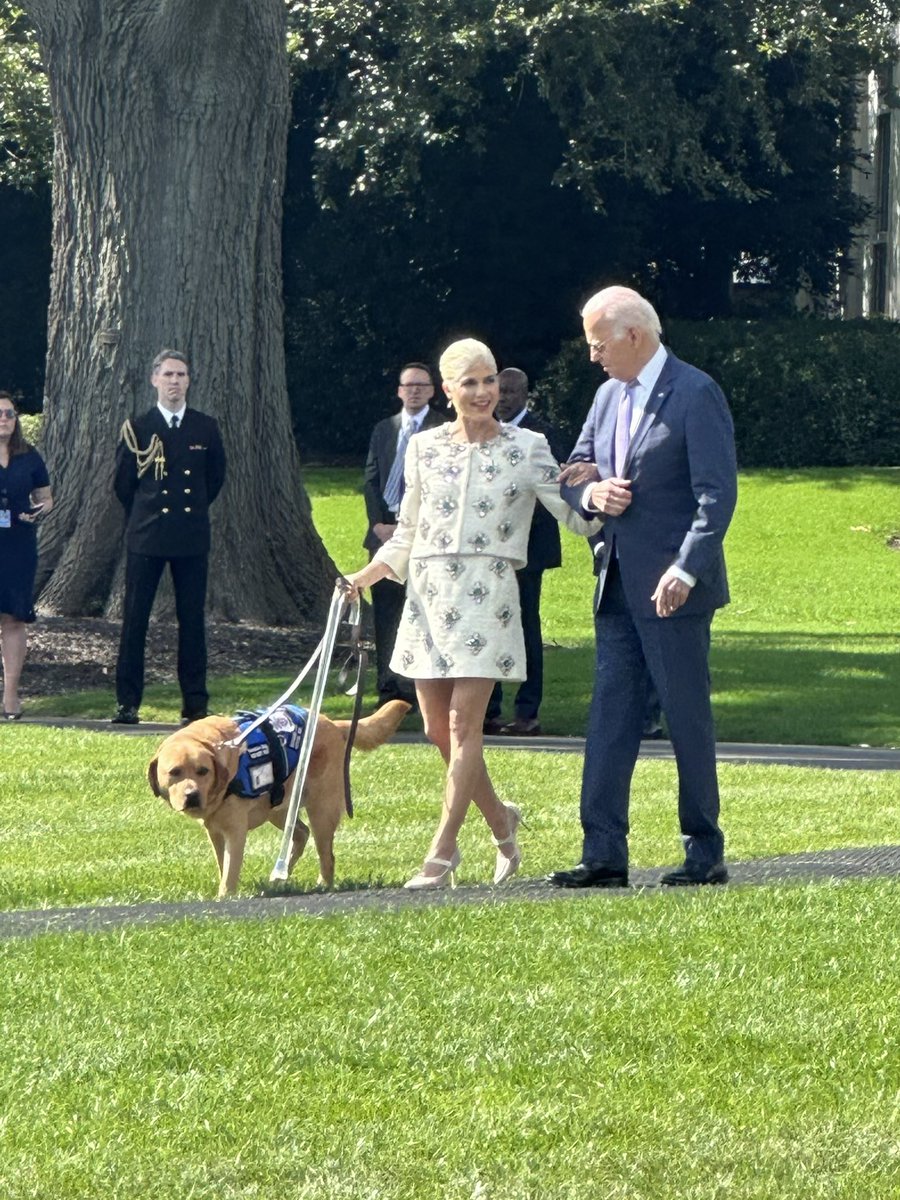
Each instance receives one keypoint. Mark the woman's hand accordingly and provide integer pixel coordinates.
(354, 585)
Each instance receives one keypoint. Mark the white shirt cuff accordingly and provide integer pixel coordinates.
(690, 580)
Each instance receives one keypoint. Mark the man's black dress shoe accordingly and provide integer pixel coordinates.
(686, 876)
(584, 876)
(187, 719)
(125, 715)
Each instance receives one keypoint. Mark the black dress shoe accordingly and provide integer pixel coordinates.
(187, 719)
(125, 715)
(688, 876)
(584, 876)
(493, 726)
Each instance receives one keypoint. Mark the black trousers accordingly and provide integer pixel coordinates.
(142, 575)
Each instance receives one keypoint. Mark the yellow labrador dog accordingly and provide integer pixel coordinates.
(194, 766)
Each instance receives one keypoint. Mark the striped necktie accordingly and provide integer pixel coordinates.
(623, 427)
(393, 488)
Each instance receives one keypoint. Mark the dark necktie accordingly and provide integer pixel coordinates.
(173, 424)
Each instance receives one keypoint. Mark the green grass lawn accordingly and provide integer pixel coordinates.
(807, 652)
(736, 1042)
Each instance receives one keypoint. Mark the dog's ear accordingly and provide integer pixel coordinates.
(153, 777)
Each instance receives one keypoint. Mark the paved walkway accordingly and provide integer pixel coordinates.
(845, 758)
(864, 863)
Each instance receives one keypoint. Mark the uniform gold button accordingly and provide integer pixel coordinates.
(165, 510)
(187, 470)
(187, 508)
(187, 491)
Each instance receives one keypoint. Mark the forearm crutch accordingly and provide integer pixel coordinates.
(335, 612)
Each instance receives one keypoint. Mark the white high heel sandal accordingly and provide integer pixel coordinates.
(422, 881)
(508, 864)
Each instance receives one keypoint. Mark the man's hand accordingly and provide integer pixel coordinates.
(671, 592)
(383, 532)
(611, 496)
(577, 473)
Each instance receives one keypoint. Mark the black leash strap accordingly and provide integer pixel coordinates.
(362, 660)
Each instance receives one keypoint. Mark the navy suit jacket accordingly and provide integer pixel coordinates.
(169, 517)
(683, 473)
(544, 548)
(382, 451)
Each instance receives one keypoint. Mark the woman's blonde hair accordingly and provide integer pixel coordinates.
(461, 356)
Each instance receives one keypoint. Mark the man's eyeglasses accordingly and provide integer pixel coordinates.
(417, 385)
(9, 413)
(599, 347)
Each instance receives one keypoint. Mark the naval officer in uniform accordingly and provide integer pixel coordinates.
(170, 466)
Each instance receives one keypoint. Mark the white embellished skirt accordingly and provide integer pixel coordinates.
(461, 619)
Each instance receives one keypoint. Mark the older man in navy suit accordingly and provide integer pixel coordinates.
(656, 457)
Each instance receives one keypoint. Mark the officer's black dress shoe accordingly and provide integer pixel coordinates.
(188, 718)
(125, 715)
(686, 876)
(584, 876)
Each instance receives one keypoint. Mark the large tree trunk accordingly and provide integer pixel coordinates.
(171, 121)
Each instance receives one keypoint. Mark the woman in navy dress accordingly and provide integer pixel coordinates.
(24, 496)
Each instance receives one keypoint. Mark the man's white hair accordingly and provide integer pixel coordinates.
(624, 307)
(461, 356)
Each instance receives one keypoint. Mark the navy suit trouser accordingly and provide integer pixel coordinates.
(142, 575)
(673, 653)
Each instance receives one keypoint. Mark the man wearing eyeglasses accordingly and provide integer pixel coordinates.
(170, 467)
(656, 458)
(383, 491)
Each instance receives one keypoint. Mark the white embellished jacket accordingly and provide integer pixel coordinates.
(475, 498)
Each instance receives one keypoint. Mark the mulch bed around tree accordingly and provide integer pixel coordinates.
(75, 654)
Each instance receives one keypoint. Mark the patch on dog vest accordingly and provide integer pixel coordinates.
(270, 753)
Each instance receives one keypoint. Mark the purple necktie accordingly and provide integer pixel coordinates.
(623, 427)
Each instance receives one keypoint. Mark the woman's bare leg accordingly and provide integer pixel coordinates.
(15, 643)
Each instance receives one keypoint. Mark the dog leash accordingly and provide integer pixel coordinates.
(326, 650)
(356, 691)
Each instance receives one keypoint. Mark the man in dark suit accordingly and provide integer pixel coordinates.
(170, 466)
(656, 456)
(544, 553)
(383, 490)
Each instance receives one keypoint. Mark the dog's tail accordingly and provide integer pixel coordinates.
(374, 731)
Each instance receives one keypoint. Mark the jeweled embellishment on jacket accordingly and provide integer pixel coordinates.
(413, 612)
(476, 643)
(489, 470)
(442, 539)
(444, 663)
(424, 528)
(549, 475)
(483, 506)
(430, 591)
(451, 472)
(407, 658)
(479, 593)
(446, 506)
(479, 542)
(505, 528)
(511, 492)
(504, 615)
(454, 568)
(513, 455)
(420, 565)
(499, 566)
(505, 663)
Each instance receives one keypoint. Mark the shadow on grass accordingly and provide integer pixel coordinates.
(797, 688)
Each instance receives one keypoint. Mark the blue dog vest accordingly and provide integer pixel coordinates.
(270, 753)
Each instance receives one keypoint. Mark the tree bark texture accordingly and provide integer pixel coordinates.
(171, 121)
